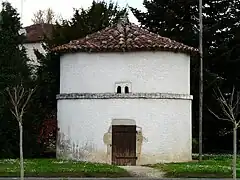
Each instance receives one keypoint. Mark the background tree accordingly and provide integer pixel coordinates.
(86, 21)
(175, 19)
(13, 70)
(222, 44)
(47, 16)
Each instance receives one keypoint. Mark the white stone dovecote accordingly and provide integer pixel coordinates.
(149, 87)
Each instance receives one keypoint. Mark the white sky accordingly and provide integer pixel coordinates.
(63, 7)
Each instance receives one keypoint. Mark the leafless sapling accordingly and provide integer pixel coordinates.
(230, 109)
(19, 98)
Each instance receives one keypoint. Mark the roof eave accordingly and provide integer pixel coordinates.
(151, 49)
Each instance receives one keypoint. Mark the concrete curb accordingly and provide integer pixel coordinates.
(130, 178)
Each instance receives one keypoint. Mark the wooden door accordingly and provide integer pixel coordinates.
(124, 145)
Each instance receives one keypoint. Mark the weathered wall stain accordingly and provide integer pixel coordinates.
(63, 146)
(70, 150)
(67, 149)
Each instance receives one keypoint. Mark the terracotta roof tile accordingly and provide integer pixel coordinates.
(124, 37)
(35, 32)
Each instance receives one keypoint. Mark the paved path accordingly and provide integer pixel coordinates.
(136, 178)
(144, 172)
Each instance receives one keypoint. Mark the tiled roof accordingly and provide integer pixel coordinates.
(35, 32)
(124, 37)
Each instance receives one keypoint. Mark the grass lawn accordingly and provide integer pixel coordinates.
(57, 168)
(218, 166)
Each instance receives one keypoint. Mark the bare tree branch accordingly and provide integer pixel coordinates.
(231, 99)
(224, 119)
(14, 114)
(44, 16)
(21, 95)
(227, 108)
(13, 97)
(18, 101)
(38, 17)
(26, 102)
(15, 94)
(236, 105)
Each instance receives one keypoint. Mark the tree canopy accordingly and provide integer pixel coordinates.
(47, 16)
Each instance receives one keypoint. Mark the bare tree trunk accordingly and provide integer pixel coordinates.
(21, 150)
(234, 162)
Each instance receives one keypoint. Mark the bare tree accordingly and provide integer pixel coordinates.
(38, 17)
(230, 109)
(19, 99)
(50, 16)
(44, 16)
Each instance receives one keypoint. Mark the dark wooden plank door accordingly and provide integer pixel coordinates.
(124, 145)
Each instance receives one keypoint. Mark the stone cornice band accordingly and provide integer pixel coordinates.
(123, 96)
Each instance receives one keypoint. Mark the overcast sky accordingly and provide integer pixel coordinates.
(63, 7)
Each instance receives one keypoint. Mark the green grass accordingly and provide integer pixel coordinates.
(58, 168)
(211, 166)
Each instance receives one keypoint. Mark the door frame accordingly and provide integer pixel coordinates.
(124, 122)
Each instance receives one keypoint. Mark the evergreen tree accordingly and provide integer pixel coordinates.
(13, 59)
(13, 71)
(176, 19)
(87, 21)
(225, 55)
